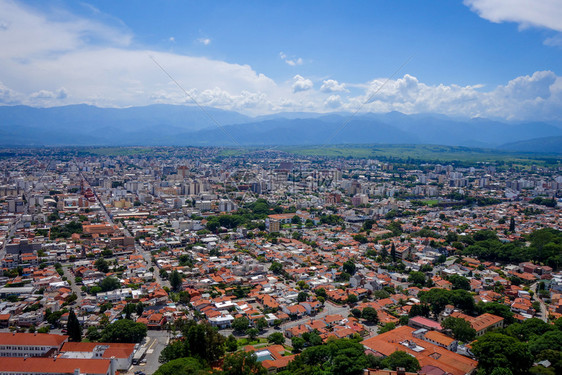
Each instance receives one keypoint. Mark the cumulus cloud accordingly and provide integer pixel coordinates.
(538, 13)
(48, 61)
(204, 41)
(27, 33)
(292, 61)
(46, 94)
(331, 85)
(301, 84)
(523, 98)
(333, 101)
(8, 96)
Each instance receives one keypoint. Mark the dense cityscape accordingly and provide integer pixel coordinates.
(211, 260)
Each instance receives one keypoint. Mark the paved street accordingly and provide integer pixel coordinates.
(544, 312)
(156, 341)
(70, 277)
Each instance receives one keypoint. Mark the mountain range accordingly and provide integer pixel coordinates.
(162, 124)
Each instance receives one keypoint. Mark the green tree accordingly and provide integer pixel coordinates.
(528, 329)
(231, 343)
(384, 253)
(417, 278)
(367, 225)
(124, 330)
(276, 338)
(183, 366)
(175, 280)
(387, 327)
(393, 252)
(550, 340)
(422, 309)
(401, 359)
(110, 283)
(349, 267)
(436, 298)
(321, 292)
(261, 324)
(370, 315)
(139, 308)
(512, 224)
(240, 324)
(198, 340)
(352, 299)
(276, 268)
(493, 350)
(501, 371)
(252, 333)
(93, 334)
(459, 282)
(462, 330)
(242, 363)
(337, 357)
(297, 343)
(102, 265)
(73, 327)
(302, 296)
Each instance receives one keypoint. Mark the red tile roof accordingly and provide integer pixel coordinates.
(54, 365)
(32, 339)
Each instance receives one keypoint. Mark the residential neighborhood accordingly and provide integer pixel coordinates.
(277, 253)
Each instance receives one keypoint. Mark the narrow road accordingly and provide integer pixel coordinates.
(544, 312)
(75, 288)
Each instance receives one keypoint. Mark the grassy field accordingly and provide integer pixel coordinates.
(120, 151)
(421, 152)
(392, 153)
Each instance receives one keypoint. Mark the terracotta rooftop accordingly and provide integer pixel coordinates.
(32, 339)
(54, 366)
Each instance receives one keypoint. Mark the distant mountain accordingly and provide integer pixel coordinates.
(187, 125)
(89, 125)
(543, 145)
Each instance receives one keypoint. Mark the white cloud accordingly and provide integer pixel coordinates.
(48, 61)
(27, 33)
(538, 13)
(8, 96)
(301, 84)
(291, 62)
(204, 41)
(172, 39)
(333, 101)
(45, 94)
(554, 41)
(331, 85)
(538, 96)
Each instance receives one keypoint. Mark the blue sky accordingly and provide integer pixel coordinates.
(488, 58)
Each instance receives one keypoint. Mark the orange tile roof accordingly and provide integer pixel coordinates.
(32, 339)
(433, 355)
(54, 365)
(439, 338)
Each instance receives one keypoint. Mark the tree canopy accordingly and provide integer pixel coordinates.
(462, 330)
(199, 340)
(341, 357)
(124, 330)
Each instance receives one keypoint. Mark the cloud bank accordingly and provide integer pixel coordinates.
(55, 58)
(537, 13)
